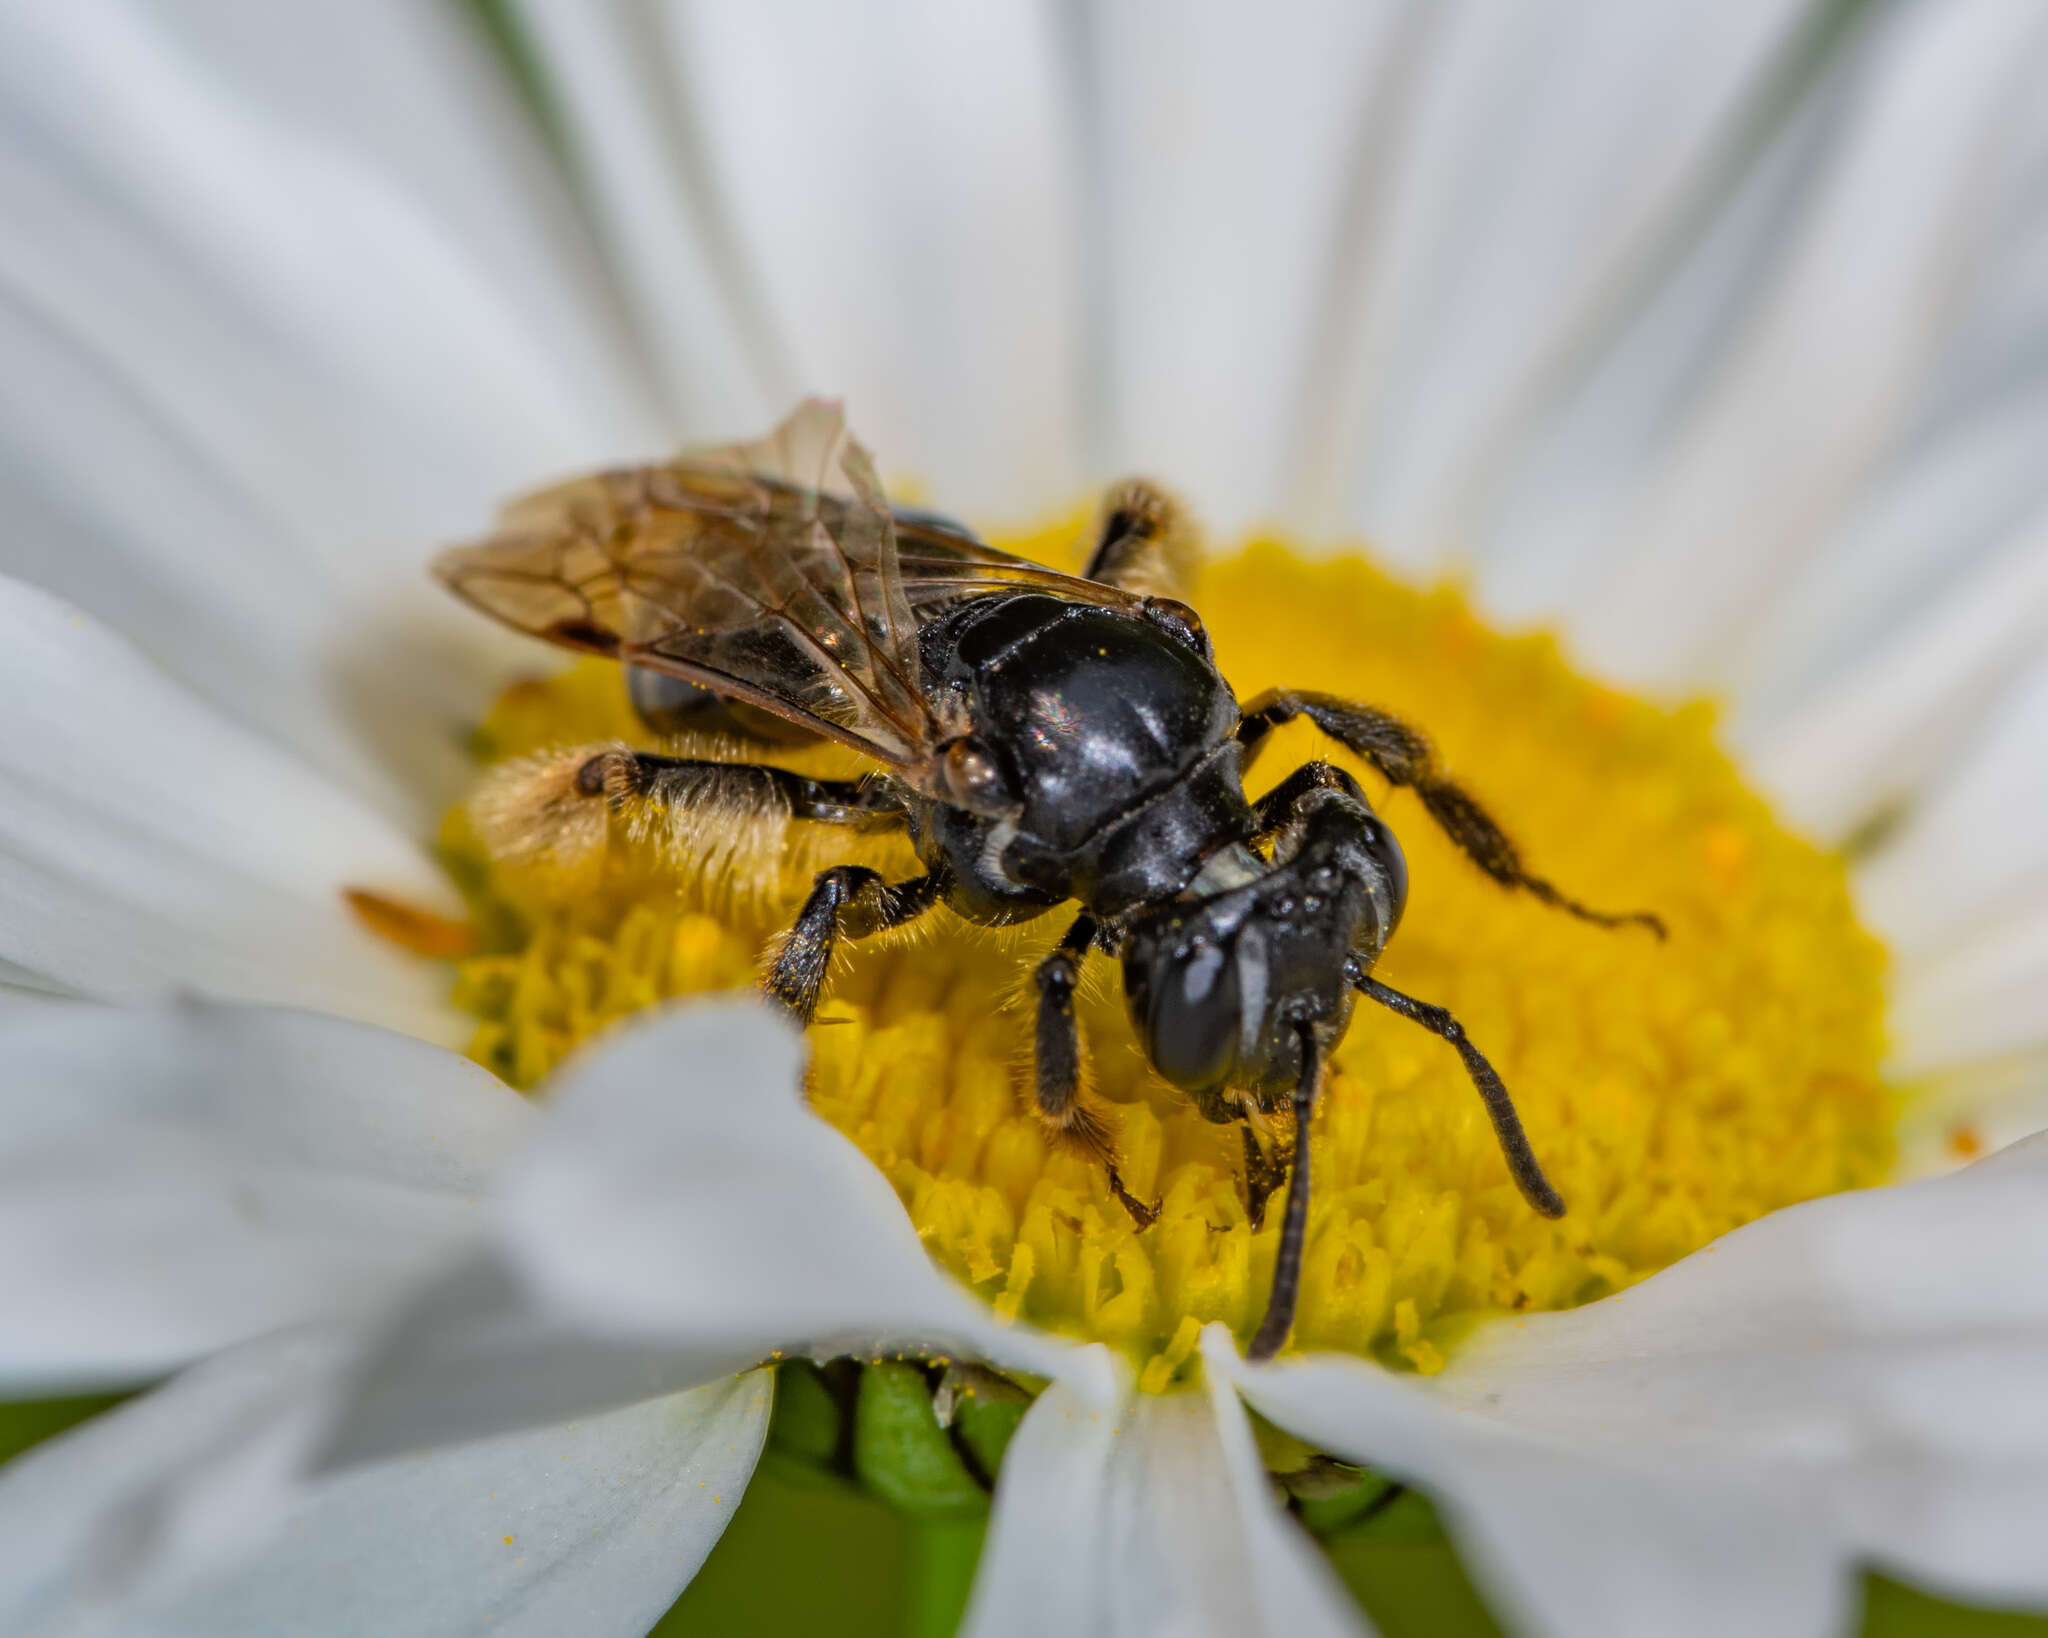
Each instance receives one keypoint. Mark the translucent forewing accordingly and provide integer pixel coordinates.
(770, 572)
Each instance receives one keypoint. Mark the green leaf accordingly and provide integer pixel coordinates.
(943, 1557)
(801, 1558)
(30, 1423)
(1891, 1610)
(1386, 1510)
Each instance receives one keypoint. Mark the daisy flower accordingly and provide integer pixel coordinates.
(1703, 335)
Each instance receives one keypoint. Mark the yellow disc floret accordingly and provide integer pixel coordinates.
(1672, 1090)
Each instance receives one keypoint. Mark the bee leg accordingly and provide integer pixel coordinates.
(737, 789)
(848, 899)
(1507, 1125)
(1263, 1173)
(1056, 1056)
(1279, 1318)
(1276, 807)
(562, 809)
(1145, 541)
(1056, 1063)
(1142, 1214)
(1403, 756)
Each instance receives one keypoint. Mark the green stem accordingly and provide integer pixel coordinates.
(943, 1554)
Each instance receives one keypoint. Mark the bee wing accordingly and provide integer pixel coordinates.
(767, 572)
(941, 561)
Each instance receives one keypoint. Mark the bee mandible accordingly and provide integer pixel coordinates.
(1041, 738)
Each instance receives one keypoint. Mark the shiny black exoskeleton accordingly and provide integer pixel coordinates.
(1111, 739)
(1220, 987)
(1098, 756)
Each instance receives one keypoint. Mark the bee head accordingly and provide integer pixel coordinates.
(1219, 986)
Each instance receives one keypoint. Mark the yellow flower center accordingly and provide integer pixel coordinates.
(1672, 1091)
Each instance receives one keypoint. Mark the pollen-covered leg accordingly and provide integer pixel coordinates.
(1145, 541)
(1500, 1108)
(1056, 1065)
(1279, 1318)
(847, 899)
(1404, 757)
(558, 810)
(691, 794)
(540, 814)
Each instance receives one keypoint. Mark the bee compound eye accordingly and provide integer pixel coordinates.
(974, 779)
(1187, 1003)
(1385, 850)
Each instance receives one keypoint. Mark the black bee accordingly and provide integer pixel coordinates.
(1041, 738)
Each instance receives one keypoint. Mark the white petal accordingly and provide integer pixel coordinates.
(679, 1215)
(1218, 166)
(589, 1527)
(1571, 1543)
(24, 994)
(326, 209)
(422, 101)
(900, 191)
(176, 1180)
(1886, 727)
(1982, 1000)
(1517, 176)
(1549, 523)
(142, 1500)
(477, 1354)
(375, 685)
(147, 847)
(638, 144)
(286, 308)
(1957, 1114)
(1961, 895)
(106, 510)
(1958, 501)
(1852, 1380)
(1154, 1516)
(1832, 353)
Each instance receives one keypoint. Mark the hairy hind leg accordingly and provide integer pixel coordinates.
(561, 809)
(631, 779)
